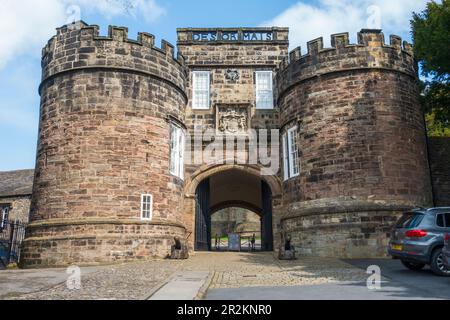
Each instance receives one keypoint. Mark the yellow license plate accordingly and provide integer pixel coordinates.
(397, 247)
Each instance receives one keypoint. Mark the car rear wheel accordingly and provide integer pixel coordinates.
(413, 266)
(437, 263)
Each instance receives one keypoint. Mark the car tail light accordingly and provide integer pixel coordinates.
(416, 233)
(447, 238)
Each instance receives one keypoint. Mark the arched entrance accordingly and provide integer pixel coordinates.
(235, 220)
(233, 187)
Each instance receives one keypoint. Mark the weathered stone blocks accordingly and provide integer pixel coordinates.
(361, 136)
(106, 109)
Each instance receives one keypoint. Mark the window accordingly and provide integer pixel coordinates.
(290, 154)
(146, 207)
(4, 211)
(440, 220)
(264, 90)
(447, 220)
(177, 144)
(409, 220)
(443, 220)
(200, 90)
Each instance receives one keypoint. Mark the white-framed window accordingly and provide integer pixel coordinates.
(200, 90)
(291, 163)
(4, 212)
(177, 145)
(264, 89)
(146, 207)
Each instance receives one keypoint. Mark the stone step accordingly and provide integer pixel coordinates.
(182, 286)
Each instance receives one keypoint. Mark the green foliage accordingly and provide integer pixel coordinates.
(431, 36)
(436, 128)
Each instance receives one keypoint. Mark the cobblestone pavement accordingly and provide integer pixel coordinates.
(233, 270)
(139, 280)
(130, 281)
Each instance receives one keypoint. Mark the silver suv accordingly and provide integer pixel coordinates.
(418, 239)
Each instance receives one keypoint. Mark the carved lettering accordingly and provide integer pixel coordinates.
(211, 36)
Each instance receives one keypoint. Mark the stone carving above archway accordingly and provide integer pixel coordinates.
(232, 119)
(232, 75)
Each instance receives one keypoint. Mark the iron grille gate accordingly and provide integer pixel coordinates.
(202, 218)
(11, 237)
(266, 221)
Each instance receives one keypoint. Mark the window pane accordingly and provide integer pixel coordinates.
(285, 158)
(146, 206)
(293, 152)
(200, 86)
(409, 220)
(181, 155)
(264, 91)
(447, 220)
(177, 152)
(440, 220)
(173, 149)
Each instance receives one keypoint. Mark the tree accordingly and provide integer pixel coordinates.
(431, 37)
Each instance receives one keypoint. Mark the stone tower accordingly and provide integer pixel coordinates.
(107, 106)
(361, 141)
(352, 142)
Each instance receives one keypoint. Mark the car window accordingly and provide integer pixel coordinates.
(409, 220)
(440, 220)
(447, 220)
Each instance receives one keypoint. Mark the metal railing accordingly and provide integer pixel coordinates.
(245, 241)
(12, 234)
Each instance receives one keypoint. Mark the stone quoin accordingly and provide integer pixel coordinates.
(353, 149)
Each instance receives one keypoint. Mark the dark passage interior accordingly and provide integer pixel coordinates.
(232, 188)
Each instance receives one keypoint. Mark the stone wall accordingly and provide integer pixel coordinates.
(361, 137)
(107, 104)
(19, 207)
(217, 57)
(234, 220)
(439, 153)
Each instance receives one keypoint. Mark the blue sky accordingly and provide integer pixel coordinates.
(26, 25)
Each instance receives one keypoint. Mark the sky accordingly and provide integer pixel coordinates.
(26, 25)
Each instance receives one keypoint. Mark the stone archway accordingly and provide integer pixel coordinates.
(205, 171)
(225, 185)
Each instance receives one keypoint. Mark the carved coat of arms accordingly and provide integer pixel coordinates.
(232, 75)
(232, 120)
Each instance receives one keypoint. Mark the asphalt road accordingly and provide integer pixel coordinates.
(399, 283)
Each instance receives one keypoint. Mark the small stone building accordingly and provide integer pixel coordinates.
(127, 159)
(15, 195)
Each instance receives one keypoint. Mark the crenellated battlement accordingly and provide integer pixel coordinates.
(115, 33)
(370, 51)
(79, 45)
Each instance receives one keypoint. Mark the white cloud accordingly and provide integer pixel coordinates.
(309, 21)
(148, 10)
(26, 25)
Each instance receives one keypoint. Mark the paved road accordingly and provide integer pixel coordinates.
(398, 283)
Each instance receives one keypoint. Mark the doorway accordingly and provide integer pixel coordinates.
(227, 189)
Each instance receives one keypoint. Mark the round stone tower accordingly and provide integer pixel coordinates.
(107, 106)
(362, 143)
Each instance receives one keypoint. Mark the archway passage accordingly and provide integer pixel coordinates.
(232, 188)
(241, 221)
